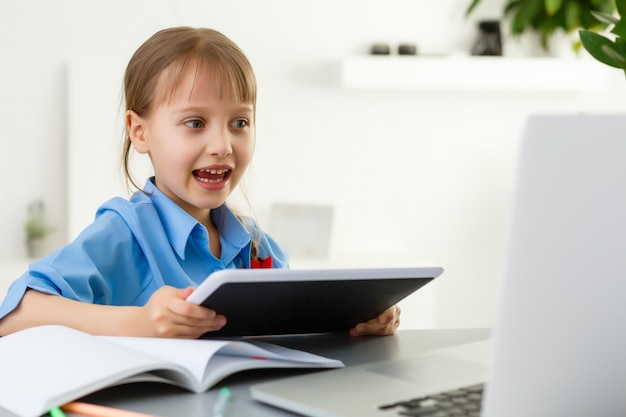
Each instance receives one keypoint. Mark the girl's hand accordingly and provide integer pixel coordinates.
(385, 324)
(168, 314)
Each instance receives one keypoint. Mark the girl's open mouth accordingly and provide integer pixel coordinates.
(212, 175)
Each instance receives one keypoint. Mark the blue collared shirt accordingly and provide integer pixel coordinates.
(136, 246)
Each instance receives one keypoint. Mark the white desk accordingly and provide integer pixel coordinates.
(167, 401)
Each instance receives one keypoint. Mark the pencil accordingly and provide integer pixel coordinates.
(56, 412)
(219, 409)
(92, 410)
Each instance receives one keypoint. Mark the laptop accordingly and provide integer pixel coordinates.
(558, 347)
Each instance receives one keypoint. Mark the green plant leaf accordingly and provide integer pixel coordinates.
(525, 14)
(545, 17)
(572, 17)
(606, 6)
(620, 5)
(471, 7)
(553, 6)
(576, 46)
(605, 17)
(620, 29)
(620, 46)
(611, 51)
(602, 49)
(511, 6)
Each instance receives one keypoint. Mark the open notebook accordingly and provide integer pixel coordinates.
(559, 341)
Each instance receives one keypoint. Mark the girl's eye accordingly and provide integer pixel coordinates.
(194, 124)
(239, 123)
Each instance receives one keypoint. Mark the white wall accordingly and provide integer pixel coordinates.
(413, 177)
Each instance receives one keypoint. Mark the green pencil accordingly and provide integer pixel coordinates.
(57, 412)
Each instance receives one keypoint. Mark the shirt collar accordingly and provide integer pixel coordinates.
(179, 225)
(234, 236)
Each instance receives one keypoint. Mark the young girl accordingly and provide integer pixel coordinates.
(190, 106)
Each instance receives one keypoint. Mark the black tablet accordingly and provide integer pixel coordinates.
(258, 302)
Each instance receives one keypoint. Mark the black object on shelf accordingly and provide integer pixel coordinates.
(489, 40)
(380, 49)
(407, 49)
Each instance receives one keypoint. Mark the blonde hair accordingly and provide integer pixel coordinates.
(165, 57)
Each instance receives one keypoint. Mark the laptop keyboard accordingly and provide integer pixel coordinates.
(462, 402)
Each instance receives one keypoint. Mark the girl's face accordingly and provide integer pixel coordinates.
(200, 144)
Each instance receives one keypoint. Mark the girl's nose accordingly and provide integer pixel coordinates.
(219, 143)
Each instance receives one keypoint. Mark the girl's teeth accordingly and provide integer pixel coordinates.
(209, 180)
(214, 171)
(219, 172)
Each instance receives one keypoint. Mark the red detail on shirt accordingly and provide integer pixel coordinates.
(263, 263)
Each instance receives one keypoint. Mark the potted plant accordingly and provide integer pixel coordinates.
(546, 17)
(608, 51)
(37, 229)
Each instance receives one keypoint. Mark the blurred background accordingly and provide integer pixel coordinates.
(360, 160)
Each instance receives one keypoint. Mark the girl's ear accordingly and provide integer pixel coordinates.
(137, 132)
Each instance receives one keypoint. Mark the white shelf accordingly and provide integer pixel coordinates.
(466, 73)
